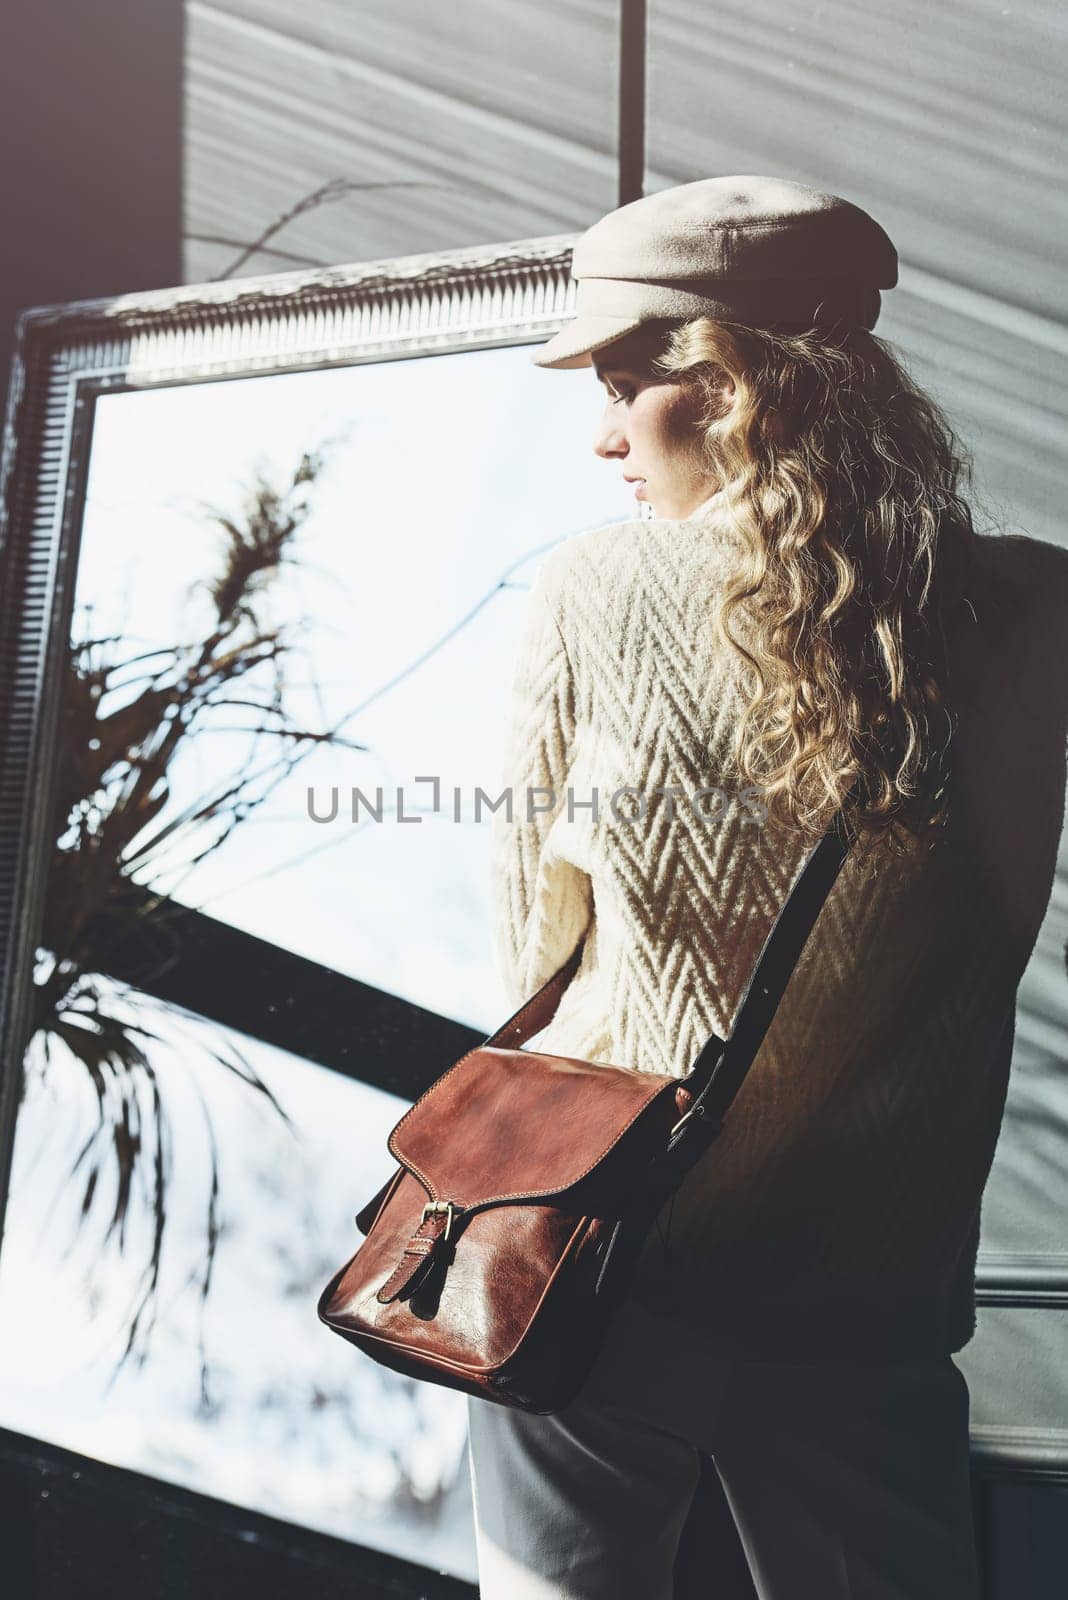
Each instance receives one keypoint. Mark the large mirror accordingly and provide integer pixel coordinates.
(267, 550)
(281, 640)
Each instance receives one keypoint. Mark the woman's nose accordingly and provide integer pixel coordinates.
(610, 439)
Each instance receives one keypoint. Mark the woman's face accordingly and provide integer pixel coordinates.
(651, 426)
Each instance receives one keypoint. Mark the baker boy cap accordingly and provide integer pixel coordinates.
(762, 251)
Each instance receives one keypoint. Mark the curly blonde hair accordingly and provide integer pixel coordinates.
(846, 482)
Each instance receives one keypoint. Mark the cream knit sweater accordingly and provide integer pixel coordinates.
(838, 1211)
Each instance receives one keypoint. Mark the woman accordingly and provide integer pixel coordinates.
(809, 605)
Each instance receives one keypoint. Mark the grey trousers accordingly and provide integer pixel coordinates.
(845, 1482)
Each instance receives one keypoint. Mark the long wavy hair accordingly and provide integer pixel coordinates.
(847, 484)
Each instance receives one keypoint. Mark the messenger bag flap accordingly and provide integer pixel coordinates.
(506, 1124)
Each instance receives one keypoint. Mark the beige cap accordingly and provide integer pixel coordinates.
(763, 251)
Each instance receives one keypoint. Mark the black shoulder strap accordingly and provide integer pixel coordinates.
(724, 1063)
(721, 1064)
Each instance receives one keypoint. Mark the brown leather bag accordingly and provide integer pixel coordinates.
(526, 1183)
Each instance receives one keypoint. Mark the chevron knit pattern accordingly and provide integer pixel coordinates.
(839, 1208)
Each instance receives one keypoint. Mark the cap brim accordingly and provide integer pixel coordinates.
(574, 345)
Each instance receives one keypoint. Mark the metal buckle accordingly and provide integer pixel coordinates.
(447, 1206)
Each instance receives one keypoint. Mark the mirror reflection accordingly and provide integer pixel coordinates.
(290, 590)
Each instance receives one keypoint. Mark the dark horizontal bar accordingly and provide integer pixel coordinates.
(241, 981)
(1032, 1455)
(1024, 1279)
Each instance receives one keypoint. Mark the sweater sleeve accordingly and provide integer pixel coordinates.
(541, 901)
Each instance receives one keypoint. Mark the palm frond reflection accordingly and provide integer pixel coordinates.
(126, 719)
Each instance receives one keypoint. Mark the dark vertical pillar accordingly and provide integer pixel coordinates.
(631, 146)
(90, 151)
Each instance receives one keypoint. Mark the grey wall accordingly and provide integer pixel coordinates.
(91, 140)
